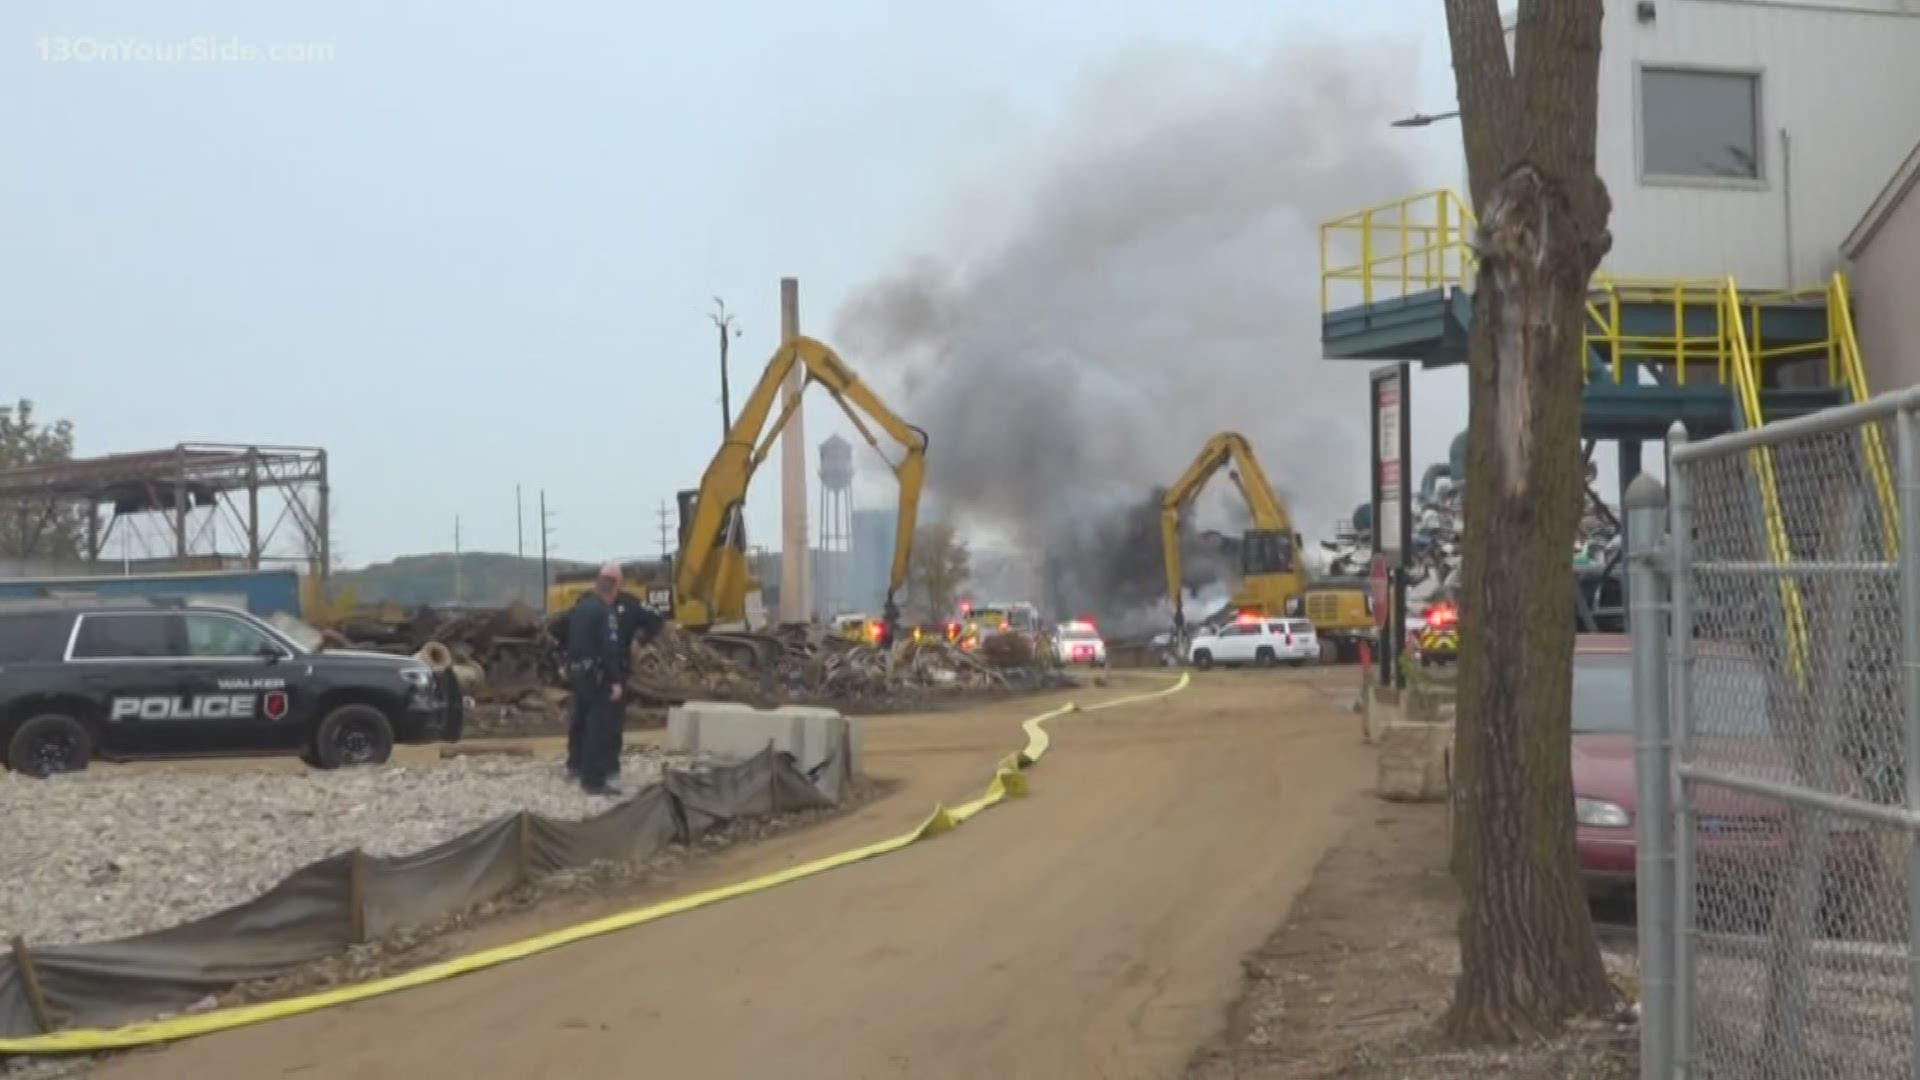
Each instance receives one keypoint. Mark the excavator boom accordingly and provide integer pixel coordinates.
(711, 573)
(1271, 545)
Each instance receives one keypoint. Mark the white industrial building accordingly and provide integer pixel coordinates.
(1775, 141)
(1749, 137)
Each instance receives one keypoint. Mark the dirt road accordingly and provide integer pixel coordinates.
(1093, 929)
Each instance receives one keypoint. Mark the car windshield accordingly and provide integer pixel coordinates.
(1079, 635)
(1603, 696)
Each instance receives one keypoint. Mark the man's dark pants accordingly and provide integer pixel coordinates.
(600, 738)
(576, 731)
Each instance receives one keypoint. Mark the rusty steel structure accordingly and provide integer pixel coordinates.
(207, 498)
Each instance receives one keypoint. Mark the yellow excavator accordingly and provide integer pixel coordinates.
(711, 575)
(1273, 580)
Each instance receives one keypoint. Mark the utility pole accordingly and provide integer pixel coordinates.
(666, 532)
(723, 321)
(546, 533)
(519, 533)
(459, 585)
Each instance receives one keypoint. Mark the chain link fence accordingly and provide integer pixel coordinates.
(1791, 707)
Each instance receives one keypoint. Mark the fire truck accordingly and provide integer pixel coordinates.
(1440, 634)
(978, 622)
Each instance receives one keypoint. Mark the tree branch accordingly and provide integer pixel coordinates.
(1556, 70)
(1483, 84)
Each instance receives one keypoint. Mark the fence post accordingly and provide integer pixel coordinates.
(356, 897)
(1680, 747)
(773, 780)
(1908, 475)
(1645, 505)
(30, 982)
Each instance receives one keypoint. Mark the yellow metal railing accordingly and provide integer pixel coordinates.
(1746, 385)
(1847, 369)
(1421, 243)
(1406, 246)
(1606, 331)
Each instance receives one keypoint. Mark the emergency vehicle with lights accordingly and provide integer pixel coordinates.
(1079, 642)
(113, 679)
(1258, 640)
(1440, 635)
(997, 617)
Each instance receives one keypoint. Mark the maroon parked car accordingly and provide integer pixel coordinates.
(1741, 839)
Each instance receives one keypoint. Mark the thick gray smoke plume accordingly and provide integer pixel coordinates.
(1154, 283)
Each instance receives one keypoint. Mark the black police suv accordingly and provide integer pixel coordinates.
(112, 679)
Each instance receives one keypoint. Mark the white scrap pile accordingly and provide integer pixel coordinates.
(105, 854)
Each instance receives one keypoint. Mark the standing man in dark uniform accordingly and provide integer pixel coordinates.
(600, 635)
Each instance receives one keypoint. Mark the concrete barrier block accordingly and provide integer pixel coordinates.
(1382, 710)
(728, 729)
(1415, 761)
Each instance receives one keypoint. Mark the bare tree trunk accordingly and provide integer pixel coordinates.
(1528, 960)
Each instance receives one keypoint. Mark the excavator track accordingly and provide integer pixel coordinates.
(747, 648)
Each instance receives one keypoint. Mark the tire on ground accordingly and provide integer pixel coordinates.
(353, 735)
(1263, 657)
(1203, 659)
(49, 743)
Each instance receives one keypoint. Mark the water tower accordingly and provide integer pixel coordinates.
(836, 526)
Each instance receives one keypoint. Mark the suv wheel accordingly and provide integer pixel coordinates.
(1203, 659)
(353, 735)
(50, 743)
(1263, 657)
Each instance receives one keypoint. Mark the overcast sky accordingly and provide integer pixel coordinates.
(464, 246)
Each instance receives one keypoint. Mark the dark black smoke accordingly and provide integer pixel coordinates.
(1157, 284)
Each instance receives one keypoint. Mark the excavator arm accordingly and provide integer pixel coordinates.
(712, 566)
(1271, 522)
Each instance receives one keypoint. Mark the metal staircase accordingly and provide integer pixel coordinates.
(1397, 282)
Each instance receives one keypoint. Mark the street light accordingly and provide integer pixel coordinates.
(1422, 119)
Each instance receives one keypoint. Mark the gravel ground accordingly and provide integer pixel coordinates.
(103, 855)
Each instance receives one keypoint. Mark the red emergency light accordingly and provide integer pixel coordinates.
(966, 607)
(1248, 617)
(1442, 615)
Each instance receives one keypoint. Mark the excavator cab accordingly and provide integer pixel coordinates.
(1267, 551)
(726, 576)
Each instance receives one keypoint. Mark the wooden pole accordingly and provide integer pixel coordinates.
(357, 896)
(773, 780)
(30, 980)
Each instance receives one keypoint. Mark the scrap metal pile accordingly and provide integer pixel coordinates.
(808, 667)
(504, 658)
(1438, 513)
(497, 653)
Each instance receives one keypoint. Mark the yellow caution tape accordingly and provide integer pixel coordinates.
(1008, 781)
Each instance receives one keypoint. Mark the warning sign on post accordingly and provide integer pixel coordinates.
(1389, 463)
